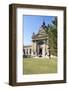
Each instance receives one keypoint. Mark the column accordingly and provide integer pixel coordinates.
(43, 51)
(35, 48)
(32, 49)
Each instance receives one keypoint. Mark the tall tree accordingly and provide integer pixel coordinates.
(52, 37)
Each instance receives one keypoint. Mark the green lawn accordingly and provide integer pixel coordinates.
(39, 65)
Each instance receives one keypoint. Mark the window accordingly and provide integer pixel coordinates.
(30, 51)
(23, 51)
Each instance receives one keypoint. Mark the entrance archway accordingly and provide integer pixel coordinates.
(40, 52)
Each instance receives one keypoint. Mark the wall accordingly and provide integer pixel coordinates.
(4, 44)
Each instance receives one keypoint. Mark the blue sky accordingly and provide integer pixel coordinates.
(32, 24)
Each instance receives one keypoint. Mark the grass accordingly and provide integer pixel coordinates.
(39, 65)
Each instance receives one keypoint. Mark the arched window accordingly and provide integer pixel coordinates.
(30, 51)
(23, 51)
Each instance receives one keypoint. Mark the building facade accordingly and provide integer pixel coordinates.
(39, 47)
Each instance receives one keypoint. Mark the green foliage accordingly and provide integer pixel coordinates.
(52, 37)
(26, 56)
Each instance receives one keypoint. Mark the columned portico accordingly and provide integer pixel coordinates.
(39, 47)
